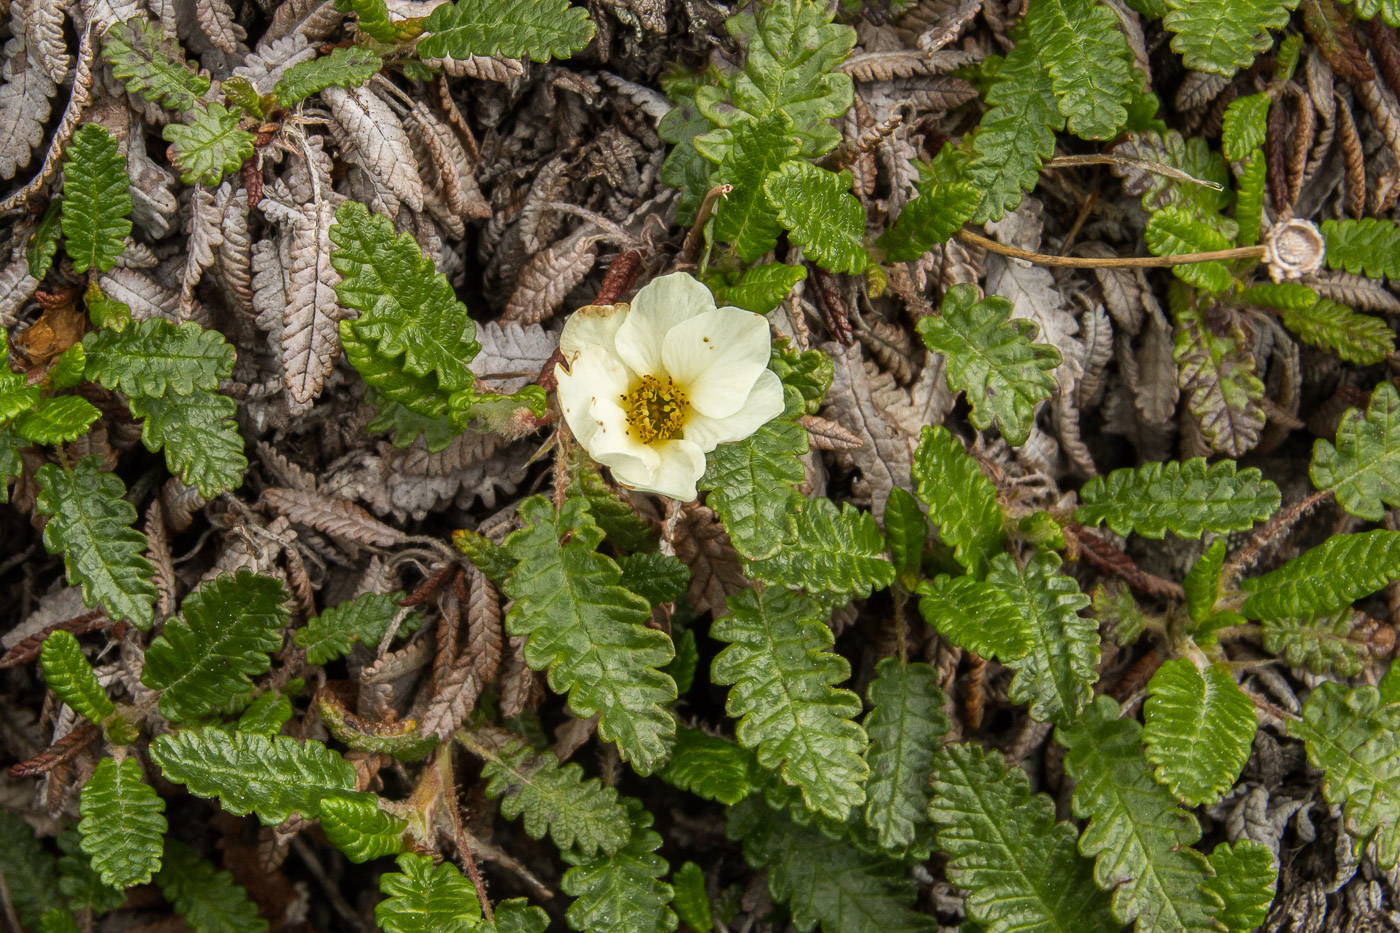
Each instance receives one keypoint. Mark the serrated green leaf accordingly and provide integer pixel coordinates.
(1326, 578)
(1005, 848)
(1363, 469)
(239, 91)
(157, 358)
(68, 674)
(1355, 739)
(906, 532)
(1223, 36)
(1243, 130)
(208, 899)
(1199, 729)
(57, 420)
(250, 773)
(690, 901)
(363, 620)
(91, 523)
(622, 892)
(781, 673)
(961, 501)
(201, 440)
(153, 66)
(1338, 641)
(17, 396)
(745, 217)
(826, 551)
(1173, 231)
(1249, 198)
(79, 881)
(1355, 337)
(58, 920)
(994, 358)
(1141, 840)
(11, 463)
(96, 208)
(222, 638)
(976, 616)
(759, 289)
(43, 242)
(123, 822)
(588, 632)
(68, 370)
(1202, 583)
(945, 202)
(808, 372)
(517, 915)
(1216, 372)
(424, 899)
(580, 815)
(356, 826)
(1243, 887)
(658, 578)
(104, 312)
(1369, 246)
(266, 715)
(538, 29)
(1083, 49)
(750, 485)
(820, 214)
(31, 873)
(343, 67)
(905, 724)
(210, 146)
(1017, 133)
(372, 19)
(1186, 498)
(710, 767)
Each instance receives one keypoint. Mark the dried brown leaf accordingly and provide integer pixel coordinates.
(332, 515)
(549, 276)
(379, 141)
(869, 404)
(311, 319)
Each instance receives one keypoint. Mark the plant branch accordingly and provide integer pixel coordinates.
(690, 250)
(1271, 530)
(1116, 262)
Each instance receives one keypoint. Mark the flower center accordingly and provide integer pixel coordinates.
(655, 410)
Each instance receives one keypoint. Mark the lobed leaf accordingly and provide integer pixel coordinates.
(904, 724)
(1369, 246)
(1199, 729)
(745, 217)
(1363, 468)
(1223, 36)
(1084, 51)
(710, 767)
(123, 823)
(820, 214)
(210, 146)
(750, 485)
(426, 899)
(826, 551)
(1186, 498)
(579, 815)
(1242, 890)
(153, 66)
(70, 676)
(201, 440)
(622, 892)
(57, 419)
(1326, 578)
(1337, 641)
(537, 29)
(961, 501)
(1017, 133)
(343, 67)
(208, 899)
(96, 208)
(362, 620)
(356, 825)
(1244, 126)
(156, 358)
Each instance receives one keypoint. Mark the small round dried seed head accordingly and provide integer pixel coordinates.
(1293, 249)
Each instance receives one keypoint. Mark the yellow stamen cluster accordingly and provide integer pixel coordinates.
(655, 410)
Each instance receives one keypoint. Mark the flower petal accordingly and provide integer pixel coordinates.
(589, 325)
(680, 465)
(717, 357)
(589, 392)
(764, 404)
(662, 303)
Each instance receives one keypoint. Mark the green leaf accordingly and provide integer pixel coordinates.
(745, 217)
(1186, 498)
(658, 578)
(1244, 127)
(1017, 133)
(222, 638)
(266, 715)
(961, 501)
(96, 205)
(1326, 578)
(343, 67)
(820, 214)
(68, 369)
(210, 146)
(356, 826)
(946, 201)
(17, 396)
(201, 440)
(710, 767)
(781, 673)
(622, 892)
(589, 632)
(993, 357)
(826, 551)
(517, 915)
(239, 91)
(1355, 739)
(250, 773)
(1199, 730)
(1243, 887)
(153, 66)
(807, 372)
(825, 880)
(1363, 469)
(31, 873)
(625, 527)
(1223, 36)
(690, 901)
(372, 19)
(1089, 62)
(580, 815)
(105, 312)
(976, 616)
(424, 899)
(759, 289)
(57, 420)
(363, 620)
(58, 920)
(1202, 583)
(905, 724)
(208, 899)
(1249, 198)
(1356, 338)
(906, 531)
(1173, 231)
(490, 558)
(68, 674)
(10, 462)
(1337, 641)
(1216, 372)
(122, 824)
(539, 29)
(43, 242)
(1140, 838)
(79, 881)
(156, 358)
(1005, 848)
(750, 485)
(90, 523)
(1369, 246)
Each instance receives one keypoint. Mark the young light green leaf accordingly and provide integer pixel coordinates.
(1244, 125)
(152, 65)
(946, 201)
(210, 146)
(250, 773)
(1083, 49)
(123, 822)
(1363, 469)
(1174, 231)
(539, 29)
(994, 358)
(1369, 246)
(57, 419)
(1223, 36)
(745, 217)
(1340, 641)
(517, 915)
(750, 485)
(781, 673)
(622, 892)
(208, 899)
(826, 551)
(976, 616)
(1199, 730)
(222, 638)
(1249, 198)
(68, 674)
(424, 899)
(356, 826)
(588, 632)
(1326, 578)
(1202, 583)
(961, 501)
(90, 522)
(807, 372)
(905, 724)
(96, 208)
(343, 67)
(906, 531)
(820, 214)
(1017, 133)
(1186, 498)
(363, 620)
(710, 767)
(1242, 889)
(759, 289)
(156, 358)
(201, 440)
(1005, 848)
(690, 901)
(372, 19)
(266, 715)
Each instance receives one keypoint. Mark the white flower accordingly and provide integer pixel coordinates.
(651, 388)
